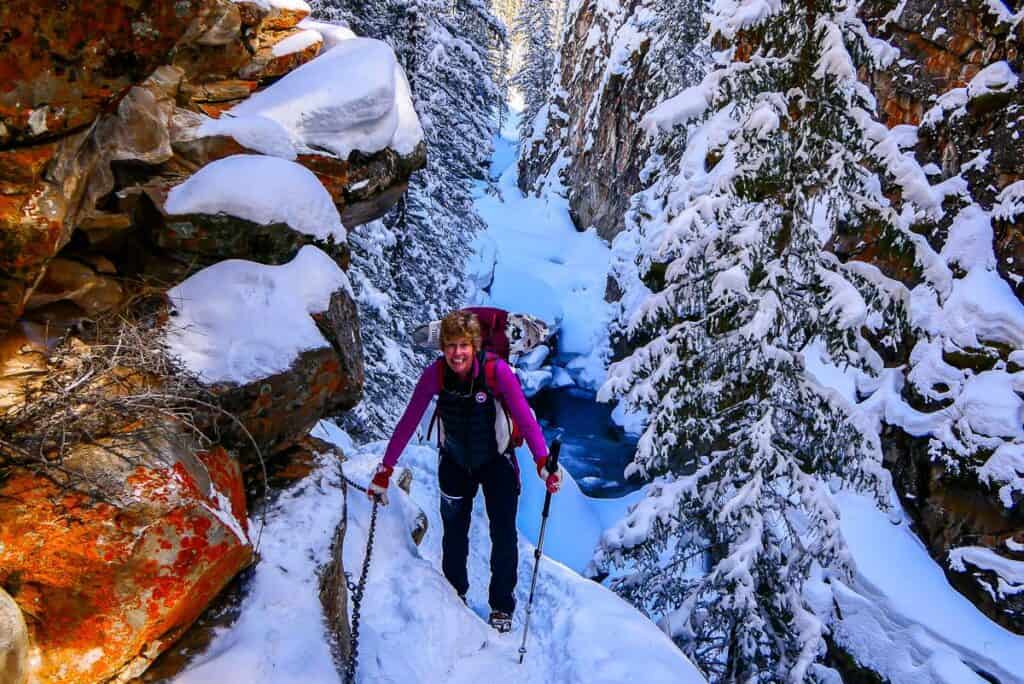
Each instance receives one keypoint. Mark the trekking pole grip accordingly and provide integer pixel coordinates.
(556, 447)
(552, 467)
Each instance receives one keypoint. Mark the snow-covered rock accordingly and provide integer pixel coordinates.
(533, 381)
(353, 97)
(535, 358)
(561, 377)
(13, 639)
(263, 190)
(257, 133)
(997, 77)
(1003, 471)
(238, 321)
(482, 261)
(901, 617)
(268, 5)
(332, 34)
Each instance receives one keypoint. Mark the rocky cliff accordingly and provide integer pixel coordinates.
(951, 104)
(617, 61)
(956, 85)
(588, 131)
(146, 149)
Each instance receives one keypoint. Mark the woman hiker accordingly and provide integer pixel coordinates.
(476, 451)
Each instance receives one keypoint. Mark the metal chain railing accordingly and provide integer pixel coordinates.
(357, 590)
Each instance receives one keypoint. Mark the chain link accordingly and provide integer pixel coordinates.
(356, 590)
(364, 490)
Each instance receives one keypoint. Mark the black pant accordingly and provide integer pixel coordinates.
(499, 479)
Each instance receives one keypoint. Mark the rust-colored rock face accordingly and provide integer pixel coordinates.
(43, 188)
(122, 126)
(61, 67)
(951, 512)
(943, 44)
(102, 581)
(281, 408)
(273, 58)
(947, 42)
(109, 558)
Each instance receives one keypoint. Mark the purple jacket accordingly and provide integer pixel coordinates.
(429, 386)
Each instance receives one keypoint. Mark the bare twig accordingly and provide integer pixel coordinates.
(113, 386)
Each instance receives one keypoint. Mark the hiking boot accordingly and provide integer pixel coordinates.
(501, 621)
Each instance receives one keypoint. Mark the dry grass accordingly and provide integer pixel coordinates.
(112, 385)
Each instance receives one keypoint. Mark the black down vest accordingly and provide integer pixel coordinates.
(468, 411)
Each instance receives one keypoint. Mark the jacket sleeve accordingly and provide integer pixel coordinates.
(426, 389)
(512, 393)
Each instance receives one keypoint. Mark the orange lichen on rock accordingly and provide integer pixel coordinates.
(101, 49)
(226, 476)
(65, 562)
(101, 581)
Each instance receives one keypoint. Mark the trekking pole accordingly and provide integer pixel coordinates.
(552, 466)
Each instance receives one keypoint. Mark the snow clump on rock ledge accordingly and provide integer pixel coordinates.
(239, 321)
(263, 190)
(353, 97)
(268, 5)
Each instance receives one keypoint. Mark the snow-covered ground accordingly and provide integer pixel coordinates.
(414, 627)
(901, 617)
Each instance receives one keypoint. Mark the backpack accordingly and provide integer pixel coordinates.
(504, 333)
(493, 331)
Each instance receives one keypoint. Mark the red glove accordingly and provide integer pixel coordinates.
(378, 489)
(553, 481)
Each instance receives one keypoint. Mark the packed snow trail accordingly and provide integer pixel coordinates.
(579, 632)
(414, 627)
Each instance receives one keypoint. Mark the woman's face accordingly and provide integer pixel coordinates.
(458, 353)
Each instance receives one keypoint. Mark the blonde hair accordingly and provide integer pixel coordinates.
(461, 324)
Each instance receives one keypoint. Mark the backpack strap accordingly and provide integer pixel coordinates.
(491, 376)
(435, 419)
(491, 373)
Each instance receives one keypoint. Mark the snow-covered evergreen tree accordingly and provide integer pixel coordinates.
(740, 440)
(535, 25)
(677, 56)
(409, 266)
